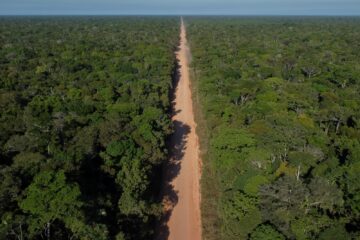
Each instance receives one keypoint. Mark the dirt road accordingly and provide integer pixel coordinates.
(182, 174)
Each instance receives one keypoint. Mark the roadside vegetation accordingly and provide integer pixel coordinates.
(84, 118)
(280, 97)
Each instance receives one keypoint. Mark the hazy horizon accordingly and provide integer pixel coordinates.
(185, 7)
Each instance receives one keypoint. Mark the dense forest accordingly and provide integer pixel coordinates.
(84, 118)
(280, 100)
(85, 115)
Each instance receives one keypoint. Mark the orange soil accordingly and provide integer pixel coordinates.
(182, 173)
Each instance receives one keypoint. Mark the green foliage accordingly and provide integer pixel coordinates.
(280, 100)
(119, 148)
(253, 184)
(232, 139)
(50, 198)
(337, 232)
(238, 208)
(266, 232)
(86, 98)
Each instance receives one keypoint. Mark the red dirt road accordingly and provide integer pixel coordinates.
(182, 174)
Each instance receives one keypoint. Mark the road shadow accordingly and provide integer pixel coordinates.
(176, 144)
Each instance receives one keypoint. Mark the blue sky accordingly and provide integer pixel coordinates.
(181, 7)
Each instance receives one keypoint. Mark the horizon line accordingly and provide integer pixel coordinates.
(189, 15)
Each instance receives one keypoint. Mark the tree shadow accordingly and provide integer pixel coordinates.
(175, 76)
(176, 145)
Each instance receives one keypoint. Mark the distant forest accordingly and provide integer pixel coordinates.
(84, 118)
(281, 103)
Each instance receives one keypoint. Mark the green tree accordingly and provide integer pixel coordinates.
(50, 198)
(337, 232)
(266, 232)
(283, 201)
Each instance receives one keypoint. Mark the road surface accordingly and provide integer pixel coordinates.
(181, 189)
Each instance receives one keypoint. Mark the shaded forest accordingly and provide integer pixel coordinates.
(280, 98)
(84, 118)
